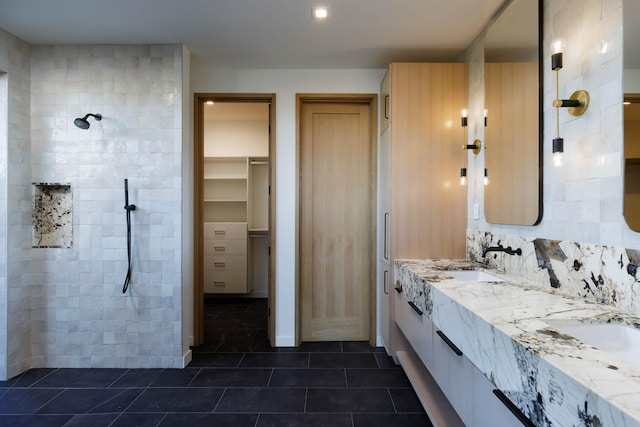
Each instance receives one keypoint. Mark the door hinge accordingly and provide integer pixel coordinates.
(269, 311)
(269, 250)
(269, 189)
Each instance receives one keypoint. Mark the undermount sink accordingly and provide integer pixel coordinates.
(473, 276)
(616, 339)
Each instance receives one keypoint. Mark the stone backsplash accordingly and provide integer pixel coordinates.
(601, 274)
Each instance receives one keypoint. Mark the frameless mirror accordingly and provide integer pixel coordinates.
(631, 57)
(513, 132)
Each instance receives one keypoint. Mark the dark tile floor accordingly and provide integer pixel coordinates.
(235, 379)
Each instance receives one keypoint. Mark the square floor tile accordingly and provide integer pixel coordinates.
(34, 420)
(93, 420)
(78, 401)
(359, 347)
(275, 360)
(119, 402)
(175, 377)
(307, 420)
(385, 361)
(136, 378)
(176, 400)
(406, 400)
(391, 420)
(371, 378)
(209, 420)
(216, 360)
(32, 376)
(308, 378)
(138, 420)
(81, 378)
(342, 360)
(25, 401)
(213, 377)
(314, 347)
(253, 400)
(348, 400)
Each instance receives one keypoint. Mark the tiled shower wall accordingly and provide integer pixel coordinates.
(15, 213)
(582, 200)
(80, 316)
(64, 307)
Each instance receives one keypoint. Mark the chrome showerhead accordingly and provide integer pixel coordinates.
(83, 123)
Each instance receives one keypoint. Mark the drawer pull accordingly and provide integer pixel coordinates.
(219, 248)
(415, 308)
(220, 232)
(513, 408)
(219, 284)
(220, 264)
(451, 345)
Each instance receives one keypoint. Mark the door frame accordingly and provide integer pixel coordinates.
(198, 190)
(371, 99)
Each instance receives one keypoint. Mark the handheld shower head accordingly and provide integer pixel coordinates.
(83, 123)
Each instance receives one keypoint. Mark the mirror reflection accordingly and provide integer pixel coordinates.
(631, 54)
(513, 124)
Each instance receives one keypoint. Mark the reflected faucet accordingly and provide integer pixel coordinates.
(501, 248)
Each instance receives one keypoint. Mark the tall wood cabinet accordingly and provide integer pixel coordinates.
(426, 212)
(423, 208)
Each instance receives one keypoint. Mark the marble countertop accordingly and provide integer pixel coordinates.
(554, 379)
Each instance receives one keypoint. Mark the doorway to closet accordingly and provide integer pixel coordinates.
(234, 221)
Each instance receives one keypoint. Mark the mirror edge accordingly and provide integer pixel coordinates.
(540, 111)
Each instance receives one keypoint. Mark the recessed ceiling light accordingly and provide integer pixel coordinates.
(319, 13)
(209, 102)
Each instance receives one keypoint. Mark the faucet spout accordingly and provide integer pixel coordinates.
(508, 250)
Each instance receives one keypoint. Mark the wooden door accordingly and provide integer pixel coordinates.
(336, 233)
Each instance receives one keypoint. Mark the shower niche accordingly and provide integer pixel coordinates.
(52, 215)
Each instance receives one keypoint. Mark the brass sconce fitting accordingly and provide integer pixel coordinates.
(577, 103)
(476, 146)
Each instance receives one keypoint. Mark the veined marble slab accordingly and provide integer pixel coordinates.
(554, 379)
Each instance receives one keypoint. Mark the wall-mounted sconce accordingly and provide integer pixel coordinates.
(463, 176)
(485, 180)
(576, 105)
(476, 143)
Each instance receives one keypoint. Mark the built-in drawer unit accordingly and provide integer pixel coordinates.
(225, 258)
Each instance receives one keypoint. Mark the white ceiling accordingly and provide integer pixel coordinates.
(262, 33)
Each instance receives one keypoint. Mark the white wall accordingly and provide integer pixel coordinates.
(285, 84)
(582, 200)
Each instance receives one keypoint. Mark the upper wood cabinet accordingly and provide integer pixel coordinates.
(428, 204)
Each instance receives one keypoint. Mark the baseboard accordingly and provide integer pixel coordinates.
(186, 358)
(285, 341)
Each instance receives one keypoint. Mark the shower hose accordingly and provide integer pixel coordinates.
(128, 208)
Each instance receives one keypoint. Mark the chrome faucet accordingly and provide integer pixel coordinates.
(501, 248)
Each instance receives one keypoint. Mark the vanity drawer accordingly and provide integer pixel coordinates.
(229, 281)
(221, 263)
(416, 327)
(225, 247)
(224, 230)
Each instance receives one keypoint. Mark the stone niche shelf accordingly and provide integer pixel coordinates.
(52, 215)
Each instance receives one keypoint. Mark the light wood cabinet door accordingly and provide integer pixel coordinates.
(428, 205)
